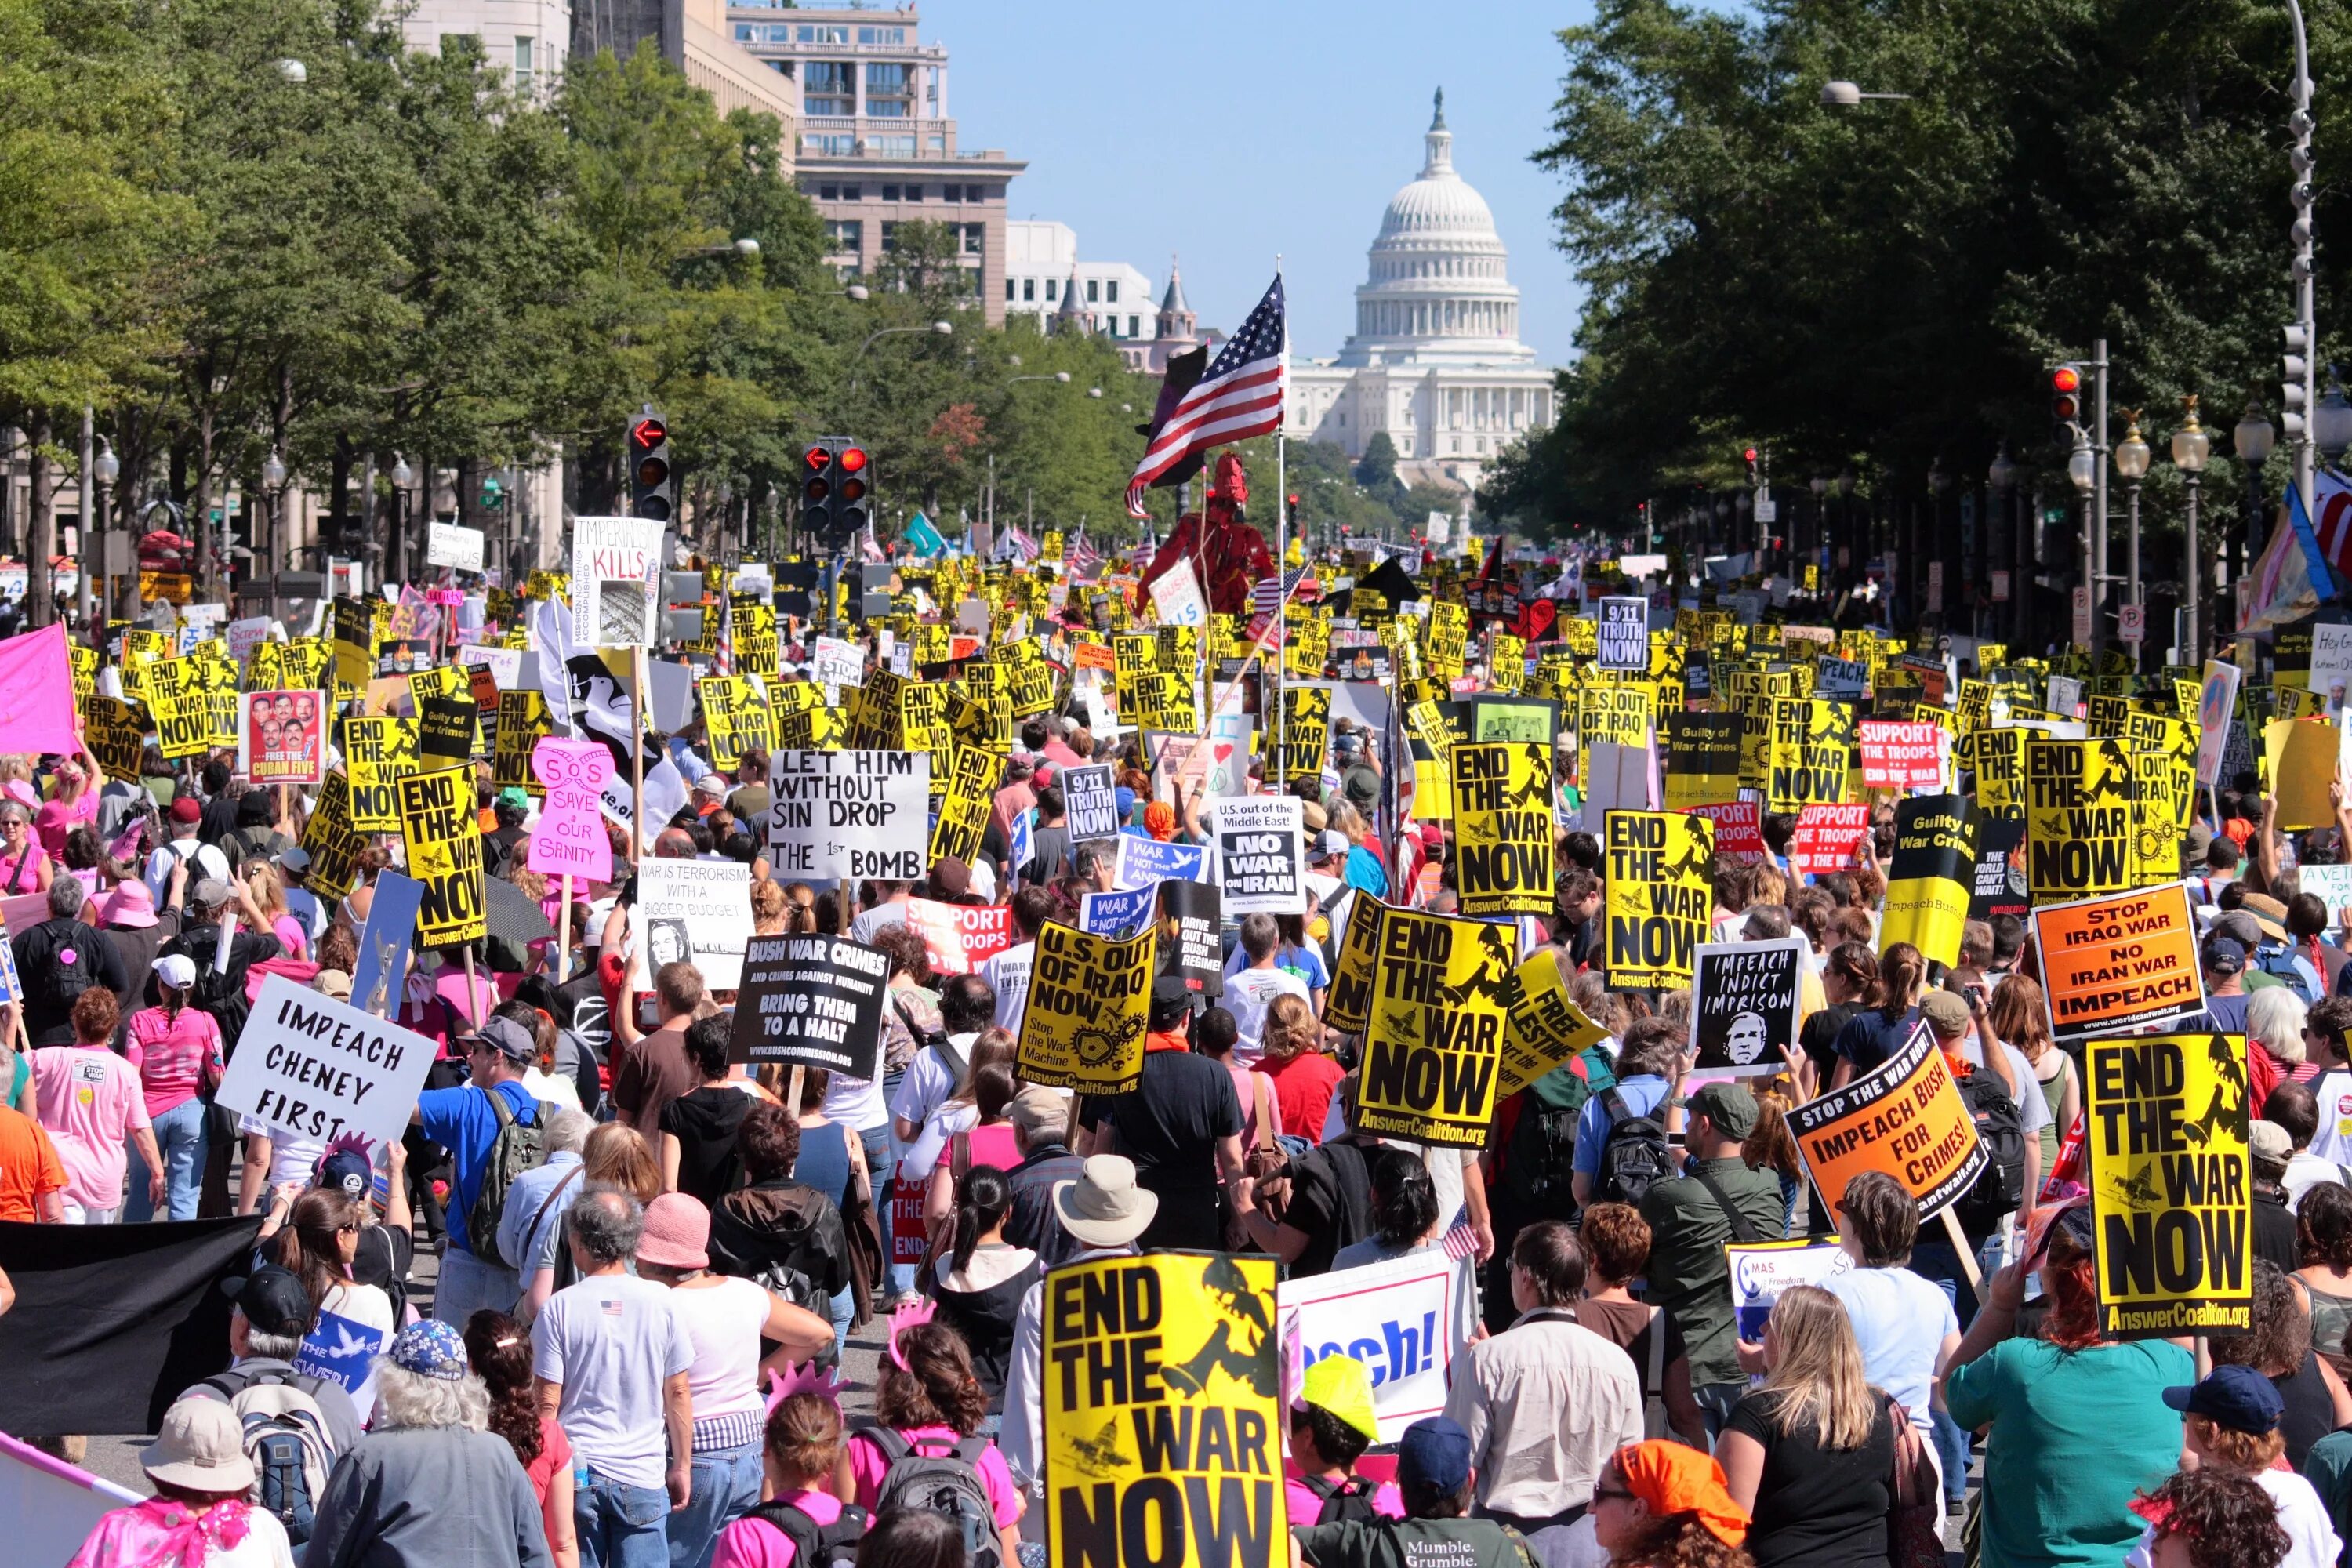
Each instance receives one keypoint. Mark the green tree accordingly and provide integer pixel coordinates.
(1376, 468)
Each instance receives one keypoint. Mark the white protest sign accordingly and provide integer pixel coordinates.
(505, 664)
(2331, 666)
(616, 575)
(1261, 853)
(319, 1070)
(833, 662)
(1176, 595)
(1624, 634)
(450, 544)
(850, 813)
(247, 635)
(2217, 711)
(695, 911)
(1089, 802)
(1402, 1318)
(1761, 1271)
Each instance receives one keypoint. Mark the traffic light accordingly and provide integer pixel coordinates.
(652, 493)
(850, 490)
(1754, 473)
(836, 479)
(2066, 401)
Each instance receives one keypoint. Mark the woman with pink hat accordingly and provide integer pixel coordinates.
(74, 804)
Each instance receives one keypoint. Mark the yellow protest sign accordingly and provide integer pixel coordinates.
(1812, 746)
(1658, 896)
(377, 751)
(444, 838)
(1931, 877)
(116, 733)
(523, 723)
(1090, 1003)
(1347, 1007)
(756, 643)
(355, 637)
(1545, 1028)
(1305, 731)
(971, 775)
(2165, 1120)
(1443, 993)
(1502, 821)
(1702, 759)
(2302, 756)
(333, 842)
(2078, 817)
(801, 719)
(1163, 1412)
(735, 714)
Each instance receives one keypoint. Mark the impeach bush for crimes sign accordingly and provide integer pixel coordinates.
(2167, 1120)
(2118, 962)
(1443, 990)
(1904, 1116)
(1659, 898)
(1502, 824)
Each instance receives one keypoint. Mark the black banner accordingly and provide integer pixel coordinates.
(1189, 944)
(445, 731)
(812, 1001)
(1744, 1005)
(2000, 887)
(113, 1322)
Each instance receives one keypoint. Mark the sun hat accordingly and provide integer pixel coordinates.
(1104, 1207)
(677, 1232)
(430, 1348)
(129, 906)
(201, 1447)
(332, 982)
(1340, 1385)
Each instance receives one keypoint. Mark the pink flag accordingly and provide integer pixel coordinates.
(36, 694)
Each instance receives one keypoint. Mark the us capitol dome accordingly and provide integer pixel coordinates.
(1435, 359)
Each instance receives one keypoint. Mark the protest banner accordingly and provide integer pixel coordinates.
(1089, 802)
(1826, 838)
(2118, 962)
(1433, 1048)
(1744, 999)
(2000, 887)
(1163, 1412)
(321, 1069)
(444, 839)
(1702, 759)
(1261, 854)
(1904, 1116)
(857, 815)
(615, 579)
(1659, 898)
(1901, 755)
(1931, 876)
(1503, 826)
(2217, 707)
(445, 731)
(1544, 1029)
(1142, 862)
(1191, 949)
(811, 1002)
(694, 912)
(386, 942)
(1812, 753)
(1401, 1318)
(281, 738)
(523, 723)
(569, 839)
(1623, 634)
(377, 751)
(964, 805)
(2170, 1176)
(1347, 1007)
(1089, 1002)
(1120, 913)
(1305, 731)
(2078, 817)
(1761, 1271)
(115, 733)
(960, 938)
(1738, 825)
(735, 716)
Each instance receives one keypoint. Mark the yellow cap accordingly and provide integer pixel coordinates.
(1340, 1385)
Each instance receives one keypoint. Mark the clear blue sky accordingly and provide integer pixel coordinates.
(1227, 131)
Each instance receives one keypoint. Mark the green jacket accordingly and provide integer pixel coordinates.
(1412, 1543)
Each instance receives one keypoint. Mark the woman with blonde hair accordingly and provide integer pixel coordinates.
(269, 898)
(621, 1156)
(1810, 1454)
(2018, 1017)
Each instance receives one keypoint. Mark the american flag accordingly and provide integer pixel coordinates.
(1272, 593)
(722, 658)
(1015, 545)
(1146, 548)
(1462, 1240)
(1083, 559)
(1240, 396)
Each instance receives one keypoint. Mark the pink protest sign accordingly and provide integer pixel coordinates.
(570, 838)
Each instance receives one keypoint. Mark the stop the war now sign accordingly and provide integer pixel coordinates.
(1901, 755)
(312, 1067)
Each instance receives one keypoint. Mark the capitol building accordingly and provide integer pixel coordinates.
(1435, 359)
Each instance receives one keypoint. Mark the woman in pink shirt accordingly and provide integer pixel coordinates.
(25, 866)
(803, 1453)
(91, 1103)
(75, 803)
(177, 1051)
(931, 1403)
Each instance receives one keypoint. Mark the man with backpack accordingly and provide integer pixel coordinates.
(1435, 1478)
(1620, 1139)
(295, 1426)
(1534, 1163)
(494, 1131)
(59, 959)
(220, 991)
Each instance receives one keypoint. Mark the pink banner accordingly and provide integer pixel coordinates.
(1826, 836)
(570, 838)
(1738, 826)
(1900, 755)
(960, 937)
(36, 694)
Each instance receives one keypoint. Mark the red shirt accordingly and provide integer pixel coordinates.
(1303, 1086)
(29, 1166)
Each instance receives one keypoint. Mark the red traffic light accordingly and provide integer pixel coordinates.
(816, 458)
(1750, 454)
(2065, 378)
(652, 471)
(852, 459)
(647, 432)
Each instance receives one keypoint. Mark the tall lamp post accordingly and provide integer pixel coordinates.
(2083, 473)
(2190, 446)
(2131, 460)
(1849, 551)
(2252, 440)
(403, 476)
(273, 485)
(106, 468)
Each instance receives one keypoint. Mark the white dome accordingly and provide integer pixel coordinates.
(1440, 204)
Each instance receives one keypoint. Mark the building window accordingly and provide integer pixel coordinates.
(522, 58)
(824, 35)
(1093, 292)
(1049, 291)
(952, 193)
(845, 234)
(1029, 289)
(746, 34)
(914, 192)
(1110, 290)
(852, 192)
(889, 92)
(881, 34)
(891, 146)
(889, 193)
(829, 193)
(975, 238)
(937, 143)
(1131, 327)
(829, 87)
(832, 145)
(889, 235)
(975, 194)
(1012, 290)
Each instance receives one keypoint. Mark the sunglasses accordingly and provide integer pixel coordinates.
(1602, 1494)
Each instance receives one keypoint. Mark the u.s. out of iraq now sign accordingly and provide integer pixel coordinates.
(319, 1070)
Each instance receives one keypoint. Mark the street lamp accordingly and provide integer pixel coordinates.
(2190, 446)
(2331, 422)
(403, 476)
(2131, 457)
(105, 469)
(293, 72)
(273, 484)
(2083, 472)
(1846, 95)
(941, 329)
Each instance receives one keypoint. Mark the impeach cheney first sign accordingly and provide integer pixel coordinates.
(312, 1067)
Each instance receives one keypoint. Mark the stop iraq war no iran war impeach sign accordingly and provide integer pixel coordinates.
(2117, 963)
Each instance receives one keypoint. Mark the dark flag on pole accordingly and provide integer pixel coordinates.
(1184, 374)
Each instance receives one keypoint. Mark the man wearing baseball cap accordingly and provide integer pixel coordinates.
(272, 1316)
(1433, 1477)
(183, 820)
(466, 1122)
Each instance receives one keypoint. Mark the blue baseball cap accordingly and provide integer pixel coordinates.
(2237, 1397)
(1435, 1454)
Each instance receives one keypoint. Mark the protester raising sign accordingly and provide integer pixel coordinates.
(963, 809)
(1120, 913)
(115, 734)
(569, 839)
(444, 838)
(1624, 641)
(1435, 1041)
(1744, 1005)
(1172, 1456)
(1659, 899)
(1931, 876)
(1503, 826)
(2118, 962)
(376, 752)
(1905, 1117)
(2170, 1179)
(615, 572)
(1401, 1318)
(1089, 802)
(1260, 854)
(849, 813)
(1348, 1006)
(811, 1002)
(521, 723)
(1089, 1004)
(1189, 945)
(695, 911)
(1897, 754)
(320, 1069)
(331, 842)
(960, 938)
(281, 738)
(735, 714)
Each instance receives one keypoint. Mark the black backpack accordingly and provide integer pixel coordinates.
(1351, 1498)
(2001, 1188)
(816, 1545)
(55, 981)
(1634, 1157)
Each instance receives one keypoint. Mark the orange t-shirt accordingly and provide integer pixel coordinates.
(29, 1166)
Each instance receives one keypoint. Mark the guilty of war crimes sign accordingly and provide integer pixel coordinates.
(2166, 1118)
(1658, 899)
(1442, 994)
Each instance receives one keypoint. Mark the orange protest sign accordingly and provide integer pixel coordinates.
(1904, 1116)
(2119, 962)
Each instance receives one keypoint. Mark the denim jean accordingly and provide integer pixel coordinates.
(726, 1488)
(467, 1284)
(844, 1306)
(1714, 1403)
(180, 1140)
(881, 1166)
(1939, 1265)
(621, 1526)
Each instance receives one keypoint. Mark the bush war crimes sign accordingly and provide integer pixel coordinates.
(850, 813)
(811, 1002)
(319, 1070)
(1162, 1412)
(2168, 1119)
(1744, 1005)
(1904, 1116)
(1442, 990)
(1659, 898)
(1089, 1003)
(1502, 821)
(2119, 962)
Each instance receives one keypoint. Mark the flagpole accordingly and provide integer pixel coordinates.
(1282, 532)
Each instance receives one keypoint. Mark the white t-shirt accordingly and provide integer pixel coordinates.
(930, 1077)
(722, 1322)
(2332, 1141)
(855, 1102)
(2306, 1171)
(1900, 1320)
(2312, 1542)
(1248, 994)
(344, 1351)
(203, 861)
(1007, 973)
(611, 1341)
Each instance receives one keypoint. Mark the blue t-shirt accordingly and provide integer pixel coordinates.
(1869, 1039)
(1364, 872)
(1900, 1320)
(1304, 960)
(1643, 1094)
(461, 1121)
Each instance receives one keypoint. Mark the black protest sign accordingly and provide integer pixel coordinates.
(1090, 803)
(812, 1002)
(1624, 635)
(445, 731)
(1744, 1004)
(2000, 887)
(1190, 946)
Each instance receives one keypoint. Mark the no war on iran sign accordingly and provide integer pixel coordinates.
(312, 1067)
